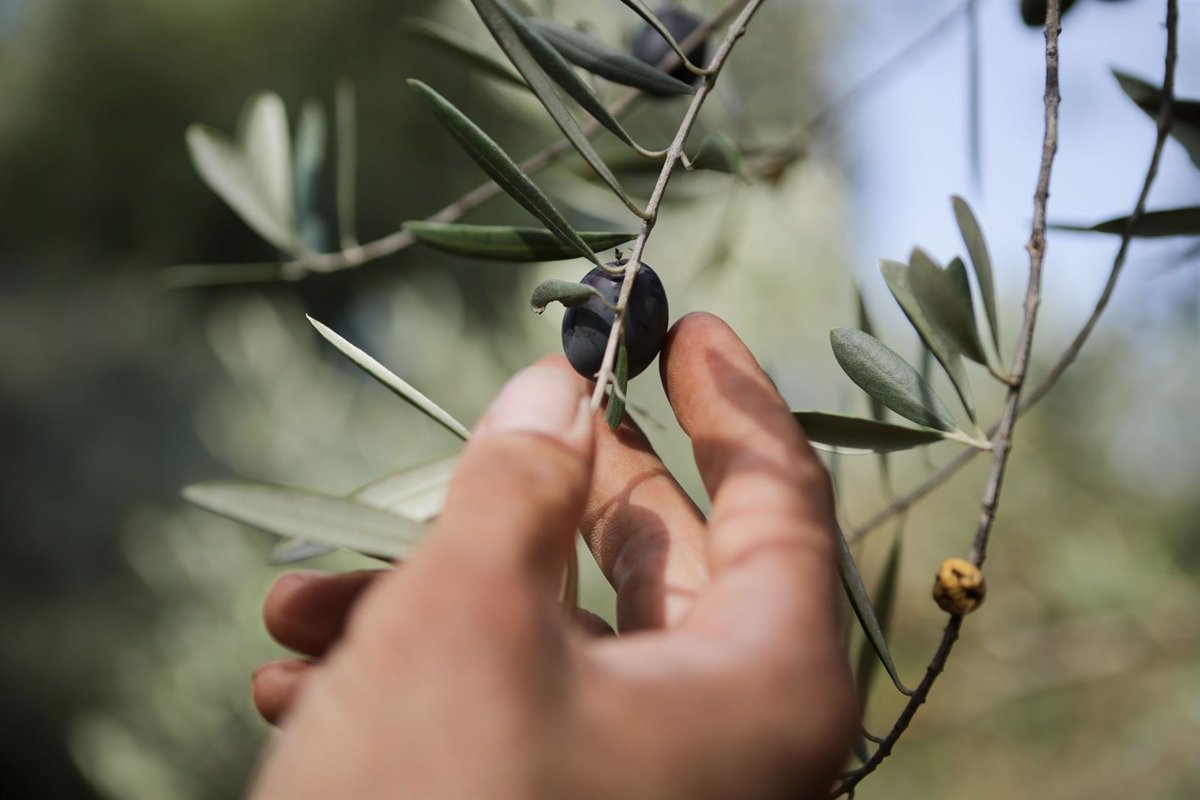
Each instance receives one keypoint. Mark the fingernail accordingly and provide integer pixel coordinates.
(537, 400)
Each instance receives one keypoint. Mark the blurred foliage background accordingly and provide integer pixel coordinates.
(130, 622)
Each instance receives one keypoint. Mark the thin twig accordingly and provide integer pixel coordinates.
(1069, 354)
(399, 240)
(1003, 439)
(674, 154)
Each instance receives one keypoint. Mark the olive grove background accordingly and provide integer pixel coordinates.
(130, 622)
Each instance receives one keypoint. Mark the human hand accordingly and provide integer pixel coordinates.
(457, 675)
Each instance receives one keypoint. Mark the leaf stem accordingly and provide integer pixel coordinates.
(674, 156)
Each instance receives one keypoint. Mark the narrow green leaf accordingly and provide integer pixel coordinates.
(308, 161)
(417, 493)
(856, 593)
(570, 293)
(506, 243)
(854, 436)
(895, 274)
(718, 153)
(881, 373)
(945, 297)
(263, 133)
(601, 59)
(884, 602)
(981, 261)
(223, 166)
(653, 21)
(502, 169)
(541, 66)
(1185, 114)
(866, 326)
(455, 43)
(310, 516)
(392, 381)
(1169, 222)
(616, 399)
(345, 106)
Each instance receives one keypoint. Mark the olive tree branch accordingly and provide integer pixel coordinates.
(674, 157)
(396, 241)
(1003, 438)
(1069, 354)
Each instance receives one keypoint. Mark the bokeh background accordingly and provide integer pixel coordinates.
(130, 621)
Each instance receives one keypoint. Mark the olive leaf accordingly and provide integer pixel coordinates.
(945, 297)
(866, 326)
(884, 375)
(570, 293)
(347, 163)
(601, 59)
(860, 602)
(309, 516)
(263, 133)
(1185, 114)
(616, 399)
(541, 66)
(855, 436)
(455, 43)
(416, 493)
(654, 22)
(507, 243)
(895, 274)
(226, 168)
(718, 153)
(981, 261)
(392, 381)
(502, 169)
(1169, 222)
(308, 161)
(883, 603)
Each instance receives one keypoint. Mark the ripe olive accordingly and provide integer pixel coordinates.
(585, 328)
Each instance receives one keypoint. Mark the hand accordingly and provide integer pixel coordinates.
(457, 675)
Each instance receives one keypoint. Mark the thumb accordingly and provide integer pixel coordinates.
(522, 482)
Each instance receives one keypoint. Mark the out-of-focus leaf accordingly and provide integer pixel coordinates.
(945, 297)
(392, 381)
(601, 59)
(345, 106)
(190, 276)
(856, 436)
(884, 375)
(541, 66)
(309, 516)
(718, 153)
(1169, 222)
(1185, 114)
(417, 493)
(856, 593)
(502, 169)
(616, 400)
(643, 11)
(507, 243)
(570, 293)
(309, 160)
(225, 169)
(981, 261)
(263, 132)
(884, 601)
(895, 274)
(454, 42)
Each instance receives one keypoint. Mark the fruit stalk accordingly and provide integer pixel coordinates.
(674, 154)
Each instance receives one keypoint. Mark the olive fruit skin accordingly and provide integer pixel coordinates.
(586, 328)
(651, 47)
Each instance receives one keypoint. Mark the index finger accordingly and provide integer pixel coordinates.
(771, 542)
